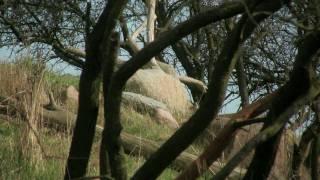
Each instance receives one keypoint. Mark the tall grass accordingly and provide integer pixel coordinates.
(30, 151)
(17, 166)
(23, 83)
(29, 74)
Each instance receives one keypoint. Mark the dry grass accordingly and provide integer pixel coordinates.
(23, 82)
(14, 79)
(34, 152)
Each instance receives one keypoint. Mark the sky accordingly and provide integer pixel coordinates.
(4, 53)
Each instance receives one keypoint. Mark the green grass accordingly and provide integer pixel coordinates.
(133, 163)
(13, 165)
(55, 79)
(144, 126)
(17, 166)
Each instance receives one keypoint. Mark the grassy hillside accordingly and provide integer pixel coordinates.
(16, 165)
(43, 155)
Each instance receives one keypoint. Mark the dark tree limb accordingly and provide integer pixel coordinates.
(109, 49)
(89, 93)
(136, 146)
(111, 149)
(68, 56)
(225, 136)
(212, 152)
(256, 108)
(202, 118)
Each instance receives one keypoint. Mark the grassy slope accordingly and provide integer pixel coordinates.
(14, 165)
(17, 165)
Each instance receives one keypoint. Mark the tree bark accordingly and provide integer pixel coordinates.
(86, 121)
(111, 152)
(89, 89)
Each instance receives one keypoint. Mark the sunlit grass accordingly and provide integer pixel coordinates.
(14, 161)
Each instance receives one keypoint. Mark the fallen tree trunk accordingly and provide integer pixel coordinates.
(60, 119)
(137, 146)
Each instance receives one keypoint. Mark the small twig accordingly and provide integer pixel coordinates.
(12, 96)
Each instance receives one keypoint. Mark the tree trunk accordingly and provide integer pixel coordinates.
(86, 121)
(150, 25)
(111, 151)
(89, 89)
